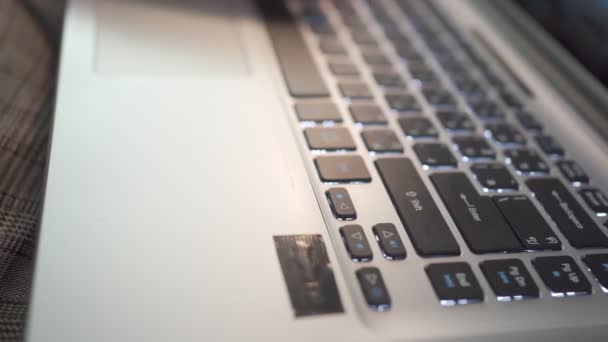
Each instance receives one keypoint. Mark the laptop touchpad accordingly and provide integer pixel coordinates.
(196, 38)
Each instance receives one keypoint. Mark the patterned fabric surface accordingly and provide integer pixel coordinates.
(26, 92)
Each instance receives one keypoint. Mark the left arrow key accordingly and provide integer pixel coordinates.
(341, 205)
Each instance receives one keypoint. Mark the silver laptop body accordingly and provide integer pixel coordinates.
(184, 201)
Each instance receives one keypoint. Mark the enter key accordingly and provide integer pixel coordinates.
(481, 224)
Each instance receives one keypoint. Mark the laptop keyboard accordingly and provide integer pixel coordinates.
(455, 129)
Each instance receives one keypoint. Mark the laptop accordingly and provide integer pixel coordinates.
(368, 170)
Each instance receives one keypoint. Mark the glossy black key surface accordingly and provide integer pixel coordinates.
(455, 121)
(526, 161)
(362, 36)
(481, 224)
(381, 140)
(318, 112)
(439, 98)
(343, 69)
(487, 110)
(510, 99)
(505, 133)
(596, 201)
(435, 155)
(389, 80)
(342, 169)
(389, 241)
(356, 243)
(418, 127)
(494, 176)
(562, 276)
(297, 65)
(340, 203)
(598, 265)
(528, 121)
(423, 74)
(329, 138)
(570, 217)
(403, 103)
(355, 90)
(572, 171)
(331, 46)
(375, 292)
(417, 210)
(375, 58)
(509, 279)
(549, 145)
(454, 283)
(527, 223)
(367, 114)
(474, 147)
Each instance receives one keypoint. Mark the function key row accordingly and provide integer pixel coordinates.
(455, 283)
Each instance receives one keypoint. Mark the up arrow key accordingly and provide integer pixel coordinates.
(340, 203)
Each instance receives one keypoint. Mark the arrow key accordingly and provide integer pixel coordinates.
(373, 288)
(341, 204)
(356, 243)
(389, 241)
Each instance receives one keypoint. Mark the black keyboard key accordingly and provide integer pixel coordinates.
(510, 99)
(529, 225)
(361, 36)
(487, 110)
(408, 53)
(375, 58)
(423, 74)
(526, 161)
(389, 80)
(356, 243)
(562, 276)
(528, 121)
(509, 279)
(355, 90)
(454, 283)
(403, 103)
(340, 203)
(297, 65)
(389, 241)
(549, 145)
(329, 138)
(439, 98)
(418, 127)
(342, 169)
(343, 69)
(506, 134)
(318, 112)
(455, 121)
(375, 292)
(479, 221)
(494, 176)
(367, 114)
(381, 140)
(598, 265)
(474, 147)
(435, 155)
(596, 200)
(572, 171)
(417, 210)
(331, 46)
(567, 213)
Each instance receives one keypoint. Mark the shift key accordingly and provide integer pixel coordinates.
(481, 224)
(569, 216)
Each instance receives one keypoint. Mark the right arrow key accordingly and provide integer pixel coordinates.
(527, 223)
